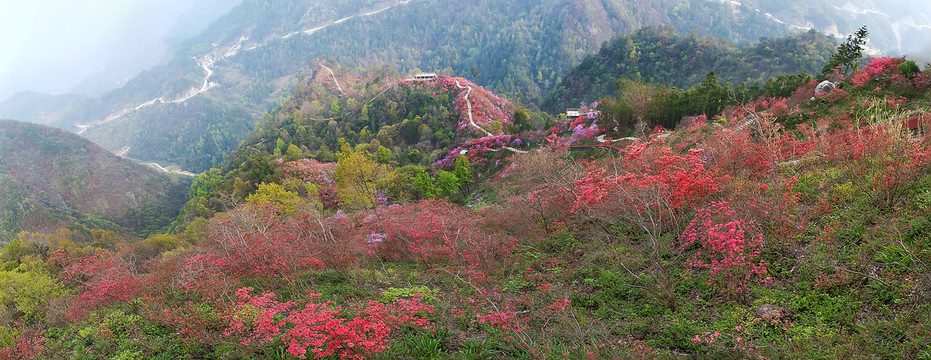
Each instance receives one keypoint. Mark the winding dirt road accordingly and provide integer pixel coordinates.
(207, 62)
(472, 121)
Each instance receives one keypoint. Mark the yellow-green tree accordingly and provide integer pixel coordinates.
(287, 201)
(26, 291)
(293, 153)
(357, 177)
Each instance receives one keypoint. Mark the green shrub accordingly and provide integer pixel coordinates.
(393, 294)
(908, 68)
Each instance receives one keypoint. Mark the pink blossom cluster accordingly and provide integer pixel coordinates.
(322, 329)
(883, 66)
(730, 248)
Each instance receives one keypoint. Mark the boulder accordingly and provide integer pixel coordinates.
(825, 87)
(769, 310)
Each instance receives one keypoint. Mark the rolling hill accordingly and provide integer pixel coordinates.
(51, 178)
(219, 84)
(660, 55)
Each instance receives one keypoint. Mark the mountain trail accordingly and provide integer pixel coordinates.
(334, 79)
(472, 121)
(208, 61)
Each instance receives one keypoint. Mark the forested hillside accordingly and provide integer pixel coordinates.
(51, 179)
(660, 55)
(219, 84)
(791, 226)
(409, 125)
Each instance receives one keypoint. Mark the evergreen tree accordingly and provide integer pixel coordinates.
(848, 54)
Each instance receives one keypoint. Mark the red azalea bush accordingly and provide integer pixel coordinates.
(28, 345)
(881, 161)
(253, 241)
(879, 67)
(654, 185)
(322, 329)
(103, 279)
(729, 248)
(435, 232)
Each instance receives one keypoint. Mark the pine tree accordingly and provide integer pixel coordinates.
(848, 54)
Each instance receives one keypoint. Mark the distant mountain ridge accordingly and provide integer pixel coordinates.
(662, 56)
(198, 106)
(897, 27)
(44, 108)
(242, 64)
(51, 178)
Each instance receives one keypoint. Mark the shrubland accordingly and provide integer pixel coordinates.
(793, 226)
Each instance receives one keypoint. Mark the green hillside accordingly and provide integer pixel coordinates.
(702, 199)
(52, 178)
(255, 53)
(792, 226)
(663, 56)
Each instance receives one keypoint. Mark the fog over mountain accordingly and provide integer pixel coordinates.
(897, 27)
(93, 46)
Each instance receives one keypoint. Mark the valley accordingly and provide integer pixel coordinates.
(426, 179)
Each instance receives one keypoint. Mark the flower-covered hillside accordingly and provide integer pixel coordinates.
(732, 236)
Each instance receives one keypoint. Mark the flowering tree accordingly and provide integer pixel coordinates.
(103, 279)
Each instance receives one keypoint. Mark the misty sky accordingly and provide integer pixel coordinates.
(52, 45)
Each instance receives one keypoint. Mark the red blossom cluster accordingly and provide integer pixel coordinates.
(29, 345)
(433, 232)
(104, 279)
(728, 247)
(322, 329)
(252, 241)
(879, 67)
(655, 178)
(886, 163)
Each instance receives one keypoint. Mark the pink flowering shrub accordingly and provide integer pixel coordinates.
(655, 179)
(434, 233)
(729, 248)
(880, 67)
(319, 330)
(104, 279)
(251, 241)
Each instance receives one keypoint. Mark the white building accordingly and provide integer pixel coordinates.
(425, 76)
